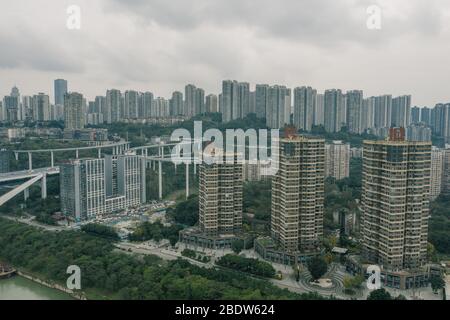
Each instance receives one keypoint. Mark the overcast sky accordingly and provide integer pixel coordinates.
(161, 45)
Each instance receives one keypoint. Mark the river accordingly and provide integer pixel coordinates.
(19, 288)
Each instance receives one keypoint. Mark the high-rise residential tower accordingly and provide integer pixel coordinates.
(304, 107)
(60, 88)
(354, 110)
(437, 170)
(337, 160)
(73, 111)
(278, 110)
(298, 195)
(95, 187)
(334, 110)
(395, 201)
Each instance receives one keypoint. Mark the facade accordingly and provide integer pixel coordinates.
(382, 111)
(4, 160)
(335, 113)
(220, 205)
(298, 195)
(418, 132)
(112, 111)
(354, 110)
(337, 160)
(446, 175)
(415, 115)
(261, 100)
(278, 109)
(95, 187)
(60, 88)
(437, 170)
(194, 103)
(395, 201)
(235, 100)
(401, 111)
(176, 104)
(212, 104)
(41, 107)
(304, 107)
(74, 113)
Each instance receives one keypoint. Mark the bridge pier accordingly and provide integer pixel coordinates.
(44, 186)
(187, 180)
(26, 194)
(160, 179)
(30, 161)
(76, 154)
(52, 157)
(99, 151)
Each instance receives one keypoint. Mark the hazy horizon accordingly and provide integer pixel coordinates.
(161, 46)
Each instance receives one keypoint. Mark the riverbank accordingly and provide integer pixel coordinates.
(6, 271)
(52, 285)
(20, 288)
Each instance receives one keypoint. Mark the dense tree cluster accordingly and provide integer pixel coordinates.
(186, 212)
(257, 199)
(440, 224)
(109, 274)
(253, 266)
(317, 267)
(100, 230)
(156, 231)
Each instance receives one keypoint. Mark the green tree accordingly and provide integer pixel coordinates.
(317, 267)
(237, 246)
(437, 283)
(379, 294)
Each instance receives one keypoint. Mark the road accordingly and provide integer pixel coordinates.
(27, 174)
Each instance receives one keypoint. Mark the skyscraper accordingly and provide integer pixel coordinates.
(261, 100)
(112, 112)
(319, 112)
(220, 198)
(41, 107)
(212, 103)
(304, 107)
(401, 111)
(176, 104)
(12, 107)
(354, 110)
(278, 110)
(415, 115)
(335, 110)
(73, 111)
(437, 170)
(337, 160)
(236, 100)
(382, 112)
(94, 187)
(131, 106)
(199, 101)
(425, 115)
(298, 195)
(194, 102)
(368, 114)
(395, 201)
(220, 203)
(60, 86)
(446, 174)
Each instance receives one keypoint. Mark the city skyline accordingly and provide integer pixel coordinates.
(161, 47)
